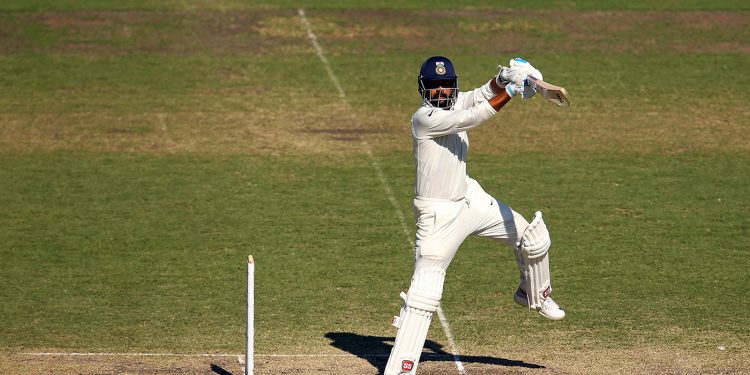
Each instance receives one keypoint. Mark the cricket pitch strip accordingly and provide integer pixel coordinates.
(604, 361)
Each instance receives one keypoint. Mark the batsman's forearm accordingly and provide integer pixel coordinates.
(501, 98)
(499, 101)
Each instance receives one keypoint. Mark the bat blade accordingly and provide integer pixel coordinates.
(555, 94)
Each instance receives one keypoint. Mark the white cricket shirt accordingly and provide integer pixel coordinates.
(440, 144)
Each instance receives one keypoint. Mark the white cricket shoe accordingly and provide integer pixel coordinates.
(549, 309)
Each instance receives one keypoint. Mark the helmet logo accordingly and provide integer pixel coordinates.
(439, 67)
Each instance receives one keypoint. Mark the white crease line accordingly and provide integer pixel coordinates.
(391, 197)
(321, 55)
(383, 180)
(201, 355)
(64, 354)
(449, 335)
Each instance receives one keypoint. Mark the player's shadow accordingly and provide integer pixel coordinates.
(219, 370)
(376, 349)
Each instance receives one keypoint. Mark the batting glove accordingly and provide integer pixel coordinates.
(516, 86)
(524, 67)
(506, 75)
(513, 79)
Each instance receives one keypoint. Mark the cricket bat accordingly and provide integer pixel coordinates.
(555, 94)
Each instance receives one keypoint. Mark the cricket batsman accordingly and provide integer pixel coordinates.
(450, 206)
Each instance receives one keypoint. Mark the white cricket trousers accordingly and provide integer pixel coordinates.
(443, 225)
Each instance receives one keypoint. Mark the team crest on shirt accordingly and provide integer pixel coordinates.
(439, 67)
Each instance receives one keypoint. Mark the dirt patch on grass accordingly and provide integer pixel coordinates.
(338, 129)
(366, 31)
(497, 31)
(527, 361)
(303, 125)
(245, 114)
(126, 32)
(260, 131)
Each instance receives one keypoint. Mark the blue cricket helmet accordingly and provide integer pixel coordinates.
(438, 71)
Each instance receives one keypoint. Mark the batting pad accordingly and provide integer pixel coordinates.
(534, 262)
(413, 323)
(404, 358)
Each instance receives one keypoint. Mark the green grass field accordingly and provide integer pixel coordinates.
(146, 148)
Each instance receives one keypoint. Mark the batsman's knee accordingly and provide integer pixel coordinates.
(535, 240)
(426, 289)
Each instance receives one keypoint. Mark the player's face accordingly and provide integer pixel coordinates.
(441, 92)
